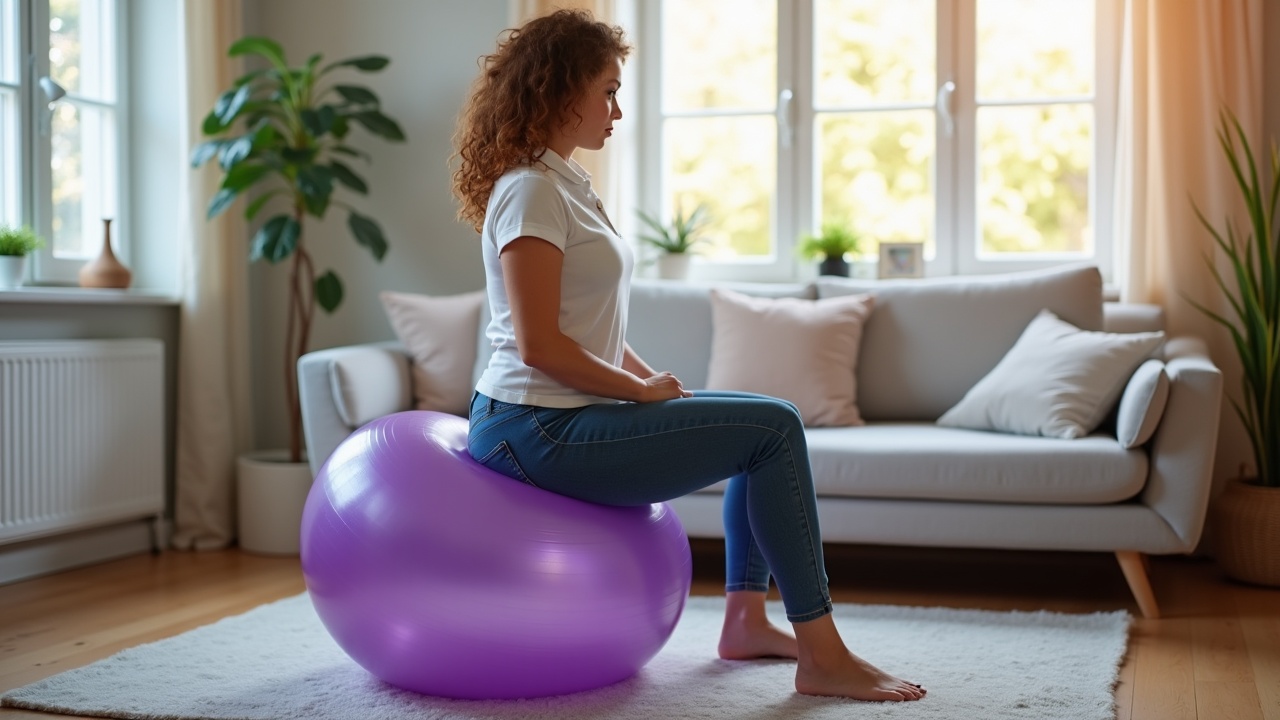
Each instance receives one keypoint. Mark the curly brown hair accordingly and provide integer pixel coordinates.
(532, 80)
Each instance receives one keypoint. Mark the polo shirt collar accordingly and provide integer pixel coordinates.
(571, 170)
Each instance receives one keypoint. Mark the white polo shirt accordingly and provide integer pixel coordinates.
(553, 200)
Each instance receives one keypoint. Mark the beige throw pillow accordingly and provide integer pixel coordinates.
(805, 351)
(440, 335)
(1057, 381)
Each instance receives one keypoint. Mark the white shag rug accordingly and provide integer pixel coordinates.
(277, 662)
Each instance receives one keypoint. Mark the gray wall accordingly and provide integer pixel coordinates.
(434, 48)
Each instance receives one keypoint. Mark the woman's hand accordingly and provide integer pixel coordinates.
(663, 386)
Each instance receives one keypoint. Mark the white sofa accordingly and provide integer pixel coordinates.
(901, 479)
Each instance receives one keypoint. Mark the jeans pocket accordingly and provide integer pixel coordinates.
(501, 460)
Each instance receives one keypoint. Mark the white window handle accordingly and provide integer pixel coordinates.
(943, 106)
(785, 130)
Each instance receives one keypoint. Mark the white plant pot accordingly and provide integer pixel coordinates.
(13, 270)
(270, 493)
(673, 266)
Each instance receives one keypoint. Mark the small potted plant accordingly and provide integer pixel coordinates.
(676, 240)
(832, 245)
(1246, 518)
(15, 244)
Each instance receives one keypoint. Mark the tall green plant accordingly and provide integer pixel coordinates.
(279, 131)
(1254, 258)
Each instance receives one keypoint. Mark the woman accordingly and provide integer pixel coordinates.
(566, 405)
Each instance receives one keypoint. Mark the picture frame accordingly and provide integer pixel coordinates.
(901, 260)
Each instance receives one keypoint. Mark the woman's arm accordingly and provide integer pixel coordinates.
(531, 269)
(634, 364)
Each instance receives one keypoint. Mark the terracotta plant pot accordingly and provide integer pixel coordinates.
(1246, 537)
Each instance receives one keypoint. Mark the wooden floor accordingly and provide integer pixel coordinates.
(1214, 655)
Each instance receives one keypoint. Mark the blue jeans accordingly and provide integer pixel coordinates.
(640, 453)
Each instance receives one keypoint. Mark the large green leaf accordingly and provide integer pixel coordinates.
(315, 180)
(329, 291)
(352, 152)
(275, 240)
(319, 121)
(204, 151)
(368, 234)
(243, 175)
(228, 107)
(221, 201)
(356, 95)
(235, 151)
(270, 49)
(367, 63)
(348, 177)
(379, 124)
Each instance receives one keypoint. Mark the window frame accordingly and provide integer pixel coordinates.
(36, 174)
(797, 198)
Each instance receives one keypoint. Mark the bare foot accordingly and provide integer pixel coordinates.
(751, 638)
(853, 677)
(747, 633)
(828, 668)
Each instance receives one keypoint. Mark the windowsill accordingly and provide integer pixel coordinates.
(68, 295)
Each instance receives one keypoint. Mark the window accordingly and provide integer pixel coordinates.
(958, 123)
(61, 126)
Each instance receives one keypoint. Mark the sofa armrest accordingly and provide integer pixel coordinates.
(333, 404)
(1183, 448)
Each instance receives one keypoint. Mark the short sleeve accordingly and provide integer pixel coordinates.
(532, 205)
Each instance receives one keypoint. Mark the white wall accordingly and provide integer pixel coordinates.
(434, 47)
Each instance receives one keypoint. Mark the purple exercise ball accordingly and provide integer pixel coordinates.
(441, 576)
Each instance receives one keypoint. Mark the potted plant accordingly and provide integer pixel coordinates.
(676, 240)
(1246, 518)
(283, 133)
(16, 243)
(832, 245)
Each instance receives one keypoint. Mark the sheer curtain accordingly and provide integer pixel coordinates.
(1184, 60)
(214, 420)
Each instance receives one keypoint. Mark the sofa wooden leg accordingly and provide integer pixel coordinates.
(1134, 565)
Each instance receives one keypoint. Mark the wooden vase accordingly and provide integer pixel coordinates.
(105, 271)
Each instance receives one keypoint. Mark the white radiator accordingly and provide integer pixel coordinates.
(81, 435)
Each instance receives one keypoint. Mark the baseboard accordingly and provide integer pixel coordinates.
(62, 552)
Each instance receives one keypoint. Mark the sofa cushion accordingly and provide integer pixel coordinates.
(931, 340)
(1057, 381)
(440, 335)
(799, 350)
(1142, 404)
(922, 461)
(669, 322)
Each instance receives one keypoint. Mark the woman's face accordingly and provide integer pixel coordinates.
(598, 109)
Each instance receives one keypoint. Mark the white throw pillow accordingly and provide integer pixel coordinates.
(1057, 381)
(805, 351)
(440, 335)
(1142, 404)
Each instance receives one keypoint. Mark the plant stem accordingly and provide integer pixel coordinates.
(296, 322)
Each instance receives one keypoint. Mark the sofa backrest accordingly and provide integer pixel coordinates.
(926, 343)
(929, 341)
